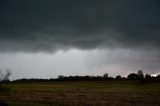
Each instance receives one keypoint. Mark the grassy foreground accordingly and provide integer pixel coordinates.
(87, 93)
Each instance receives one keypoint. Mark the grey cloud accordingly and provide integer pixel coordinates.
(126, 60)
(36, 25)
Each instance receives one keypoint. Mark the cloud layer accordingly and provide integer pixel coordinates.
(32, 26)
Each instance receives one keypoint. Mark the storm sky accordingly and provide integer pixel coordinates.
(47, 38)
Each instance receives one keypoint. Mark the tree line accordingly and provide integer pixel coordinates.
(139, 76)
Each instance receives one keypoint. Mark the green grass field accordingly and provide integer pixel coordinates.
(87, 93)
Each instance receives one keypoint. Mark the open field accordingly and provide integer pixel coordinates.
(87, 93)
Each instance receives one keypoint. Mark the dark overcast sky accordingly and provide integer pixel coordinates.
(127, 30)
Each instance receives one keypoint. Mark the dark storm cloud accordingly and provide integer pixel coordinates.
(48, 25)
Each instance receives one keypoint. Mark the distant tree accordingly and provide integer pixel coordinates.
(118, 77)
(147, 79)
(105, 75)
(132, 76)
(158, 77)
(147, 76)
(123, 78)
(140, 74)
(110, 78)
